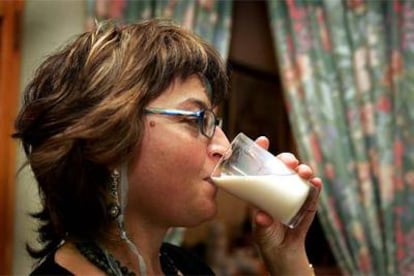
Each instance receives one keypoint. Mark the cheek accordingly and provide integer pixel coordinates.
(174, 156)
(180, 167)
(164, 165)
(165, 179)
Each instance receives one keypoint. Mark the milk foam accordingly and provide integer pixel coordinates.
(280, 196)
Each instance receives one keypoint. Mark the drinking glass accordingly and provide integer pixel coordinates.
(254, 175)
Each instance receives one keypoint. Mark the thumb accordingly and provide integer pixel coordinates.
(267, 231)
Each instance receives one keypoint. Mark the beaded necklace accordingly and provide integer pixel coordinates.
(97, 256)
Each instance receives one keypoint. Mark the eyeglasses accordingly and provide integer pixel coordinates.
(206, 119)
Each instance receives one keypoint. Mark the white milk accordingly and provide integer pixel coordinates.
(280, 196)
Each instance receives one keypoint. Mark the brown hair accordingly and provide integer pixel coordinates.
(82, 115)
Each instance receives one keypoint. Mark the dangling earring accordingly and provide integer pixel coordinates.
(114, 208)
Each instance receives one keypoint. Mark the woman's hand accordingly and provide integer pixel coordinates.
(283, 248)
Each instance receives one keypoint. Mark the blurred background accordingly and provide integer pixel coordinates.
(329, 80)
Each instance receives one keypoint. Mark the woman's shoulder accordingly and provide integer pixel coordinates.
(66, 260)
(49, 267)
(174, 257)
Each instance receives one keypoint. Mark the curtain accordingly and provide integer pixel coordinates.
(348, 74)
(211, 19)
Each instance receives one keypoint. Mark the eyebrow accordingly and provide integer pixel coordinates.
(195, 102)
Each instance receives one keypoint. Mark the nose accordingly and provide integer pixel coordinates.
(218, 145)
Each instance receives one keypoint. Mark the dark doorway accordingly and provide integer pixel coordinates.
(256, 104)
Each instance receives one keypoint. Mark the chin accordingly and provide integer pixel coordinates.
(203, 216)
(210, 213)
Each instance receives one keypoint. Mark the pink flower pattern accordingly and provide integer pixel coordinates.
(356, 105)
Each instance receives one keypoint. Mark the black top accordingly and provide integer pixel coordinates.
(184, 261)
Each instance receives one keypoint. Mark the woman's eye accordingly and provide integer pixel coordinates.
(192, 121)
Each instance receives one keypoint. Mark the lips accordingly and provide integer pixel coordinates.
(209, 180)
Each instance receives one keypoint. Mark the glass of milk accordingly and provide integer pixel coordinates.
(254, 175)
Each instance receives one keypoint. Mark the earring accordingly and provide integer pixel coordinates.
(114, 208)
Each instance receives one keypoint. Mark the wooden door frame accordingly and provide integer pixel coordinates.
(10, 22)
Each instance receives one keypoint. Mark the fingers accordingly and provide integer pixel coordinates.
(263, 142)
(289, 159)
(316, 181)
(304, 171)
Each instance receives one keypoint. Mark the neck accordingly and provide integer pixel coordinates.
(146, 237)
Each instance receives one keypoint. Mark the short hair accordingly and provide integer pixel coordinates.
(83, 110)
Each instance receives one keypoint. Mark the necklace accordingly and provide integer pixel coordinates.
(98, 257)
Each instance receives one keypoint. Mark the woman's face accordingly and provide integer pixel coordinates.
(169, 180)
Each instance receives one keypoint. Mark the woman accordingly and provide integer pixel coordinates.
(120, 132)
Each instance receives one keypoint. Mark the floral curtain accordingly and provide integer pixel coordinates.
(211, 19)
(348, 74)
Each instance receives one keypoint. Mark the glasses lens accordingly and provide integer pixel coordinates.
(209, 125)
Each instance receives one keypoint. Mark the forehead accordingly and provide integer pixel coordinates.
(188, 93)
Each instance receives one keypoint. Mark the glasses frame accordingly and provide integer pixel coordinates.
(200, 115)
